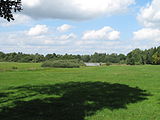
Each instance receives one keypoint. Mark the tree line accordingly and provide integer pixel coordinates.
(138, 57)
(135, 57)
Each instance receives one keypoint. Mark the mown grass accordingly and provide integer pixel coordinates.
(87, 93)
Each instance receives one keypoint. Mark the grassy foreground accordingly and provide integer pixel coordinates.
(88, 93)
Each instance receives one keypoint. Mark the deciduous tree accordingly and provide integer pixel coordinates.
(7, 7)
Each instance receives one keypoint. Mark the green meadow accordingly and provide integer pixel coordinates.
(9, 66)
(29, 92)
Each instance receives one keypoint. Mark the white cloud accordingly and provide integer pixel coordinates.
(64, 28)
(106, 33)
(31, 3)
(74, 9)
(114, 35)
(38, 30)
(70, 36)
(147, 34)
(149, 16)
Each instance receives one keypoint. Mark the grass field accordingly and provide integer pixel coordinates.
(87, 93)
(4, 66)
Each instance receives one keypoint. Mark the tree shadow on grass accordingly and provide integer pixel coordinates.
(71, 101)
(3, 95)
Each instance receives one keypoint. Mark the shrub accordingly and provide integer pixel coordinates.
(122, 62)
(14, 68)
(63, 64)
(108, 64)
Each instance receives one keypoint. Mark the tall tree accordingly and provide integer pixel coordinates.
(135, 57)
(156, 58)
(7, 7)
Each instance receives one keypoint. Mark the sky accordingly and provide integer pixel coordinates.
(82, 26)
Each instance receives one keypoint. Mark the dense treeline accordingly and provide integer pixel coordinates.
(135, 57)
(96, 57)
(150, 56)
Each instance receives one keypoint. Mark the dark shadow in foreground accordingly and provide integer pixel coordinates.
(3, 95)
(71, 101)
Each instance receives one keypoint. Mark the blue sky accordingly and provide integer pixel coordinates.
(82, 27)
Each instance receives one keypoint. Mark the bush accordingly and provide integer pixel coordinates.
(14, 68)
(122, 62)
(63, 64)
(108, 64)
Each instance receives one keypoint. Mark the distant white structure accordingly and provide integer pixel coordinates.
(93, 64)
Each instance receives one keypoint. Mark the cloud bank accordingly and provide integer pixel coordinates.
(74, 9)
(45, 39)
